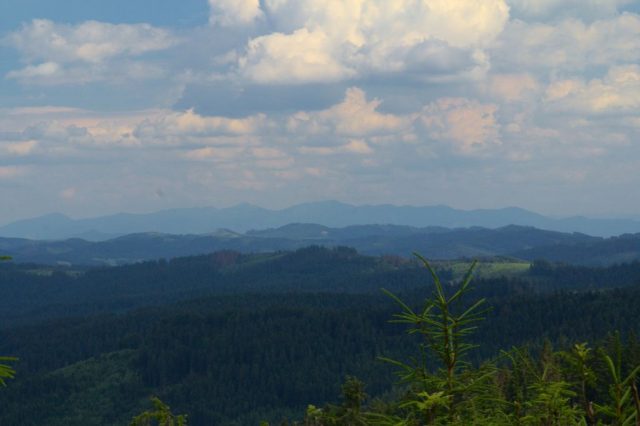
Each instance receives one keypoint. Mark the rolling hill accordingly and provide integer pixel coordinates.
(518, 242)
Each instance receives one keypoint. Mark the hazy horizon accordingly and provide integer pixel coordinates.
(280, 208)
(326, 206)
(277, 207)
(143, 106)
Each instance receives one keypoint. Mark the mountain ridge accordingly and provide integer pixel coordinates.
(514, 241)
(246, 217)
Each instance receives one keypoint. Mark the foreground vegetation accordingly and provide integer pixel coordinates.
(579, 386)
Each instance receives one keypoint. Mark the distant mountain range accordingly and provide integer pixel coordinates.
(245, 217)
(512, 241)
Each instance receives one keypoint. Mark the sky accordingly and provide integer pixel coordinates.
(143, 105)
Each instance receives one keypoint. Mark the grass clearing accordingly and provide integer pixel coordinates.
(486, 268)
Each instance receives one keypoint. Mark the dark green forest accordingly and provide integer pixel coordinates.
(236, 339)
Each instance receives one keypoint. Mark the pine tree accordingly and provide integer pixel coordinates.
(161, 415)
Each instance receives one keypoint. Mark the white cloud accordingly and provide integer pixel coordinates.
(89, 51)
(569, 45)
(180, 127)
(21, 148)
(558, 9)
(358, 146)
(320, 41)
(294, 58)
(470, 126)
(234, 12)
(511, 87)
(44, 70)
(52, 74)
(354, 143)
(361, 22)
(211, 153)
(91, 41)
(618, 91)
(351, 135)
(353, 126)
(353, 117)
(448, 93)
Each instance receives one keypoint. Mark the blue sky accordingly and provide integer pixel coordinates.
(143, 105)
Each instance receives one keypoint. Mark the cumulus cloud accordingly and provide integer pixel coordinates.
(21, 148)
(89, 41)
(292, 58)
(58, 53)
(559, 9)
(319, 41)
(355, 116)
(329, 98)
(470, 126)
(234, 12)
(354, 126)
(358, 146)
(570, 45)
(182, 127)
(51, 134)
(281, 146)
(355, 141)
(618, 91)
(210, 153)
(460, 23)
(510, 87)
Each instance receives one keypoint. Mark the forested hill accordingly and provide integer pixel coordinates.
(232, 339)
(438, 243)
(29, 292)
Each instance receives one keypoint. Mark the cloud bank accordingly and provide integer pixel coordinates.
(470, 103)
